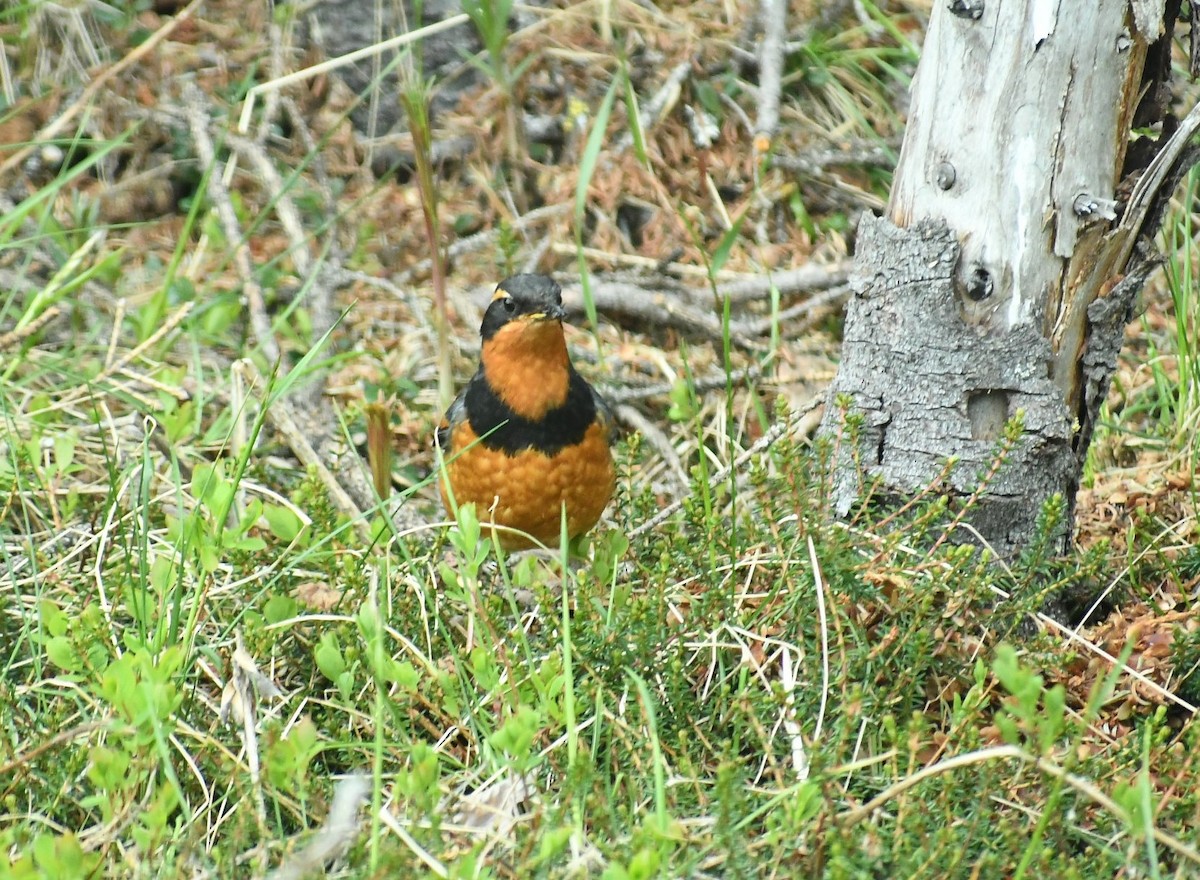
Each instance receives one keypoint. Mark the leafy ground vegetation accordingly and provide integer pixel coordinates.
(223, 340)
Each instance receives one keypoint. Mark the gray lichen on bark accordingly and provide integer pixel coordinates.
(930, 384)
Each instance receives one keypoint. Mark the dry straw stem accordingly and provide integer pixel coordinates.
(334, 63)
(1141, 677)
(121, 363)
(819, 584)
(1008, 753)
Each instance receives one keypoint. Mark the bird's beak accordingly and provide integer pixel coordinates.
(554, 313)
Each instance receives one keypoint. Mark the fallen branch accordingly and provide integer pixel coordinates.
(816, 162)
(770, 73)
(195, 103)
(646, 306)
(810, 276)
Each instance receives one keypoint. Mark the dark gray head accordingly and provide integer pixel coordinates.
(529, 298)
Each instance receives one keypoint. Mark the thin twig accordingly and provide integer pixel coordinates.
(12, 337)
(761, 445)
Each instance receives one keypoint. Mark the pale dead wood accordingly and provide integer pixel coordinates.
(816, 162)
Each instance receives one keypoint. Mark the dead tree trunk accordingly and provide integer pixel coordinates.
(1016, 238)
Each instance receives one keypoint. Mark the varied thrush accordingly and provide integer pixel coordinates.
(528, 435)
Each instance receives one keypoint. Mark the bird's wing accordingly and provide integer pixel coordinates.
(605, 415)
(455, 415)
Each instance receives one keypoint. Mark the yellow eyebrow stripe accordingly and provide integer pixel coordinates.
(500, 293)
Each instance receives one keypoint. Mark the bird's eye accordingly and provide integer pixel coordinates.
(509, 304)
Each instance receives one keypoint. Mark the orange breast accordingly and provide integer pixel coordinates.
(527, 491)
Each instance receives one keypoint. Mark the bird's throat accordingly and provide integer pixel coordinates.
(527, 366)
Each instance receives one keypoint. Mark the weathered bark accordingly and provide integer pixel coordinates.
(1004, 274)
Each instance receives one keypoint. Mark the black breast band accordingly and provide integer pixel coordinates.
(500, 428)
